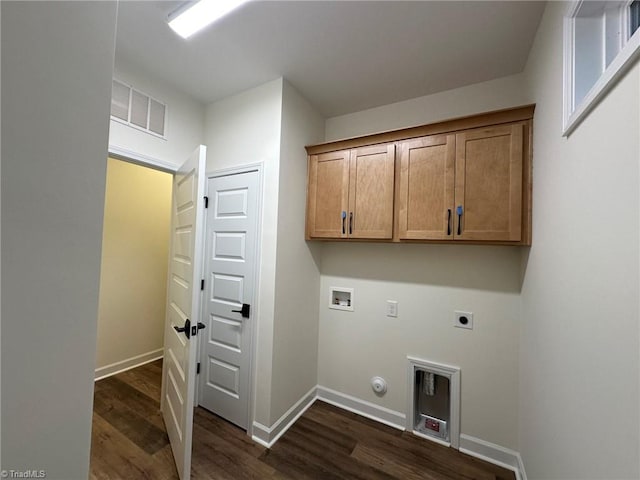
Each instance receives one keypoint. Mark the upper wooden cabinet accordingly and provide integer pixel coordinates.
(488, 194)
(371, 192)
(465, 180)
(426, 193)
(466, 186)
(328, 195)
(350, 193)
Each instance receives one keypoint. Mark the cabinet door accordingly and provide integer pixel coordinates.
(426, 196)
(371, 181)
(488, 191)
(328, 195)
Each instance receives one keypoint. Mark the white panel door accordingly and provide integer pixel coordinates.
(229, 283)
(183, 307)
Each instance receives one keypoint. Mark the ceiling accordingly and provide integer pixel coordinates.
(343, 56)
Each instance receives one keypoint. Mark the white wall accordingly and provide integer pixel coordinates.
(184, 126)
(295, 342)
(57, 60)
(504, 92)
(133, 277)
(429, 282)
(579, 400)
(241, 130)
(271, 124)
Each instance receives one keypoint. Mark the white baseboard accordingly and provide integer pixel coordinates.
(492, 453)
(523, 474)
(362, 407)
(128, 364)
(267, 436)
(261, 435)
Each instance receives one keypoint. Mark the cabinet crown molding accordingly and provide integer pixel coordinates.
(495, 117)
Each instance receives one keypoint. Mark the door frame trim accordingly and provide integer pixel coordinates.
(253, 367)
(131, 156)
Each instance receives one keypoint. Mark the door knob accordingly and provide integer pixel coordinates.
(246, 309)
(186, 329)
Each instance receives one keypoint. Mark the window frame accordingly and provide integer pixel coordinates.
(629, 52)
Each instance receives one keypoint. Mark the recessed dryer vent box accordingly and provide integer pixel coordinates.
(433, 409)
(341, 298)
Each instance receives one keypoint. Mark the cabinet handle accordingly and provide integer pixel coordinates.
(448, 221)
(459, 211)
(350, 223)
(344, 219)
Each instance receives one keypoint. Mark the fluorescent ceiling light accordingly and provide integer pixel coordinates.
(186, 22)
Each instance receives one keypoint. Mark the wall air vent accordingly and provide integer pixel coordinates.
(137, 109)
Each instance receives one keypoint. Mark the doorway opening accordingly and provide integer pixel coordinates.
(131, 316)
(128, 421)
(135, 253)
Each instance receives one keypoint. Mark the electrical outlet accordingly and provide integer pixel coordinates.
(463, 320)
(392, 308)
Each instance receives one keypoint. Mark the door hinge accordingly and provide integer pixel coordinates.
(202, 284)
(206, 202)
(198, 368)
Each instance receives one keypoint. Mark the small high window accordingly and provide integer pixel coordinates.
(601, 42)
(634, 16)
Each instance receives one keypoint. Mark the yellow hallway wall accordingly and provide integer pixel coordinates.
(135, 251)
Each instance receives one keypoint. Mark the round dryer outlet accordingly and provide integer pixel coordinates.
(379, 385)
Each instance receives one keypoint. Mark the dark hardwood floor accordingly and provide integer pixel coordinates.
(129, 442)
